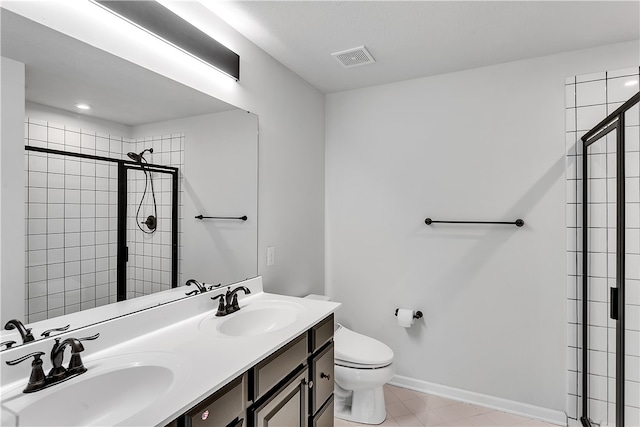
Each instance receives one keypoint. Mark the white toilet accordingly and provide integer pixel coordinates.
(362, 366)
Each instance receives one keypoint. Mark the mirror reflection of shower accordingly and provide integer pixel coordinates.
(152, 220)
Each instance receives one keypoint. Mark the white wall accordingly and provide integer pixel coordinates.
(220, 178)
(482, 144)
(291, 111)
(11, 196)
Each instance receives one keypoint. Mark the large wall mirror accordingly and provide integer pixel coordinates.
(165, 152)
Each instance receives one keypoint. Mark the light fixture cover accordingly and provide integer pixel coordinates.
(161, 22)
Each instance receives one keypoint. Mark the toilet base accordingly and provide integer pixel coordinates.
(364, 406)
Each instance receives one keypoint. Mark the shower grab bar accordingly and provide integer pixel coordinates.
(243, 218)
(518, 222)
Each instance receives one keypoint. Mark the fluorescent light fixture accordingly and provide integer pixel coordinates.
(83, 106)
(156, 19)
(631, 83)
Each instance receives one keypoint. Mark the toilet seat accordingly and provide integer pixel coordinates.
(352, 365)
(354, 350)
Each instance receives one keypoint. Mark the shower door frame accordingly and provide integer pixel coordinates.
(614, 121)
(123, 249)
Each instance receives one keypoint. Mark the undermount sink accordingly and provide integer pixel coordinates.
(257, 318)
(129, 383)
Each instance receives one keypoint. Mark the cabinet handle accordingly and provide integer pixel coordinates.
(325, 376)
(310, 384)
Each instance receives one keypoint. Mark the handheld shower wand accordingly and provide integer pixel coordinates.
(152, 220)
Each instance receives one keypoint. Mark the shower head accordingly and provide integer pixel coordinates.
(135, 157)
(139, 157)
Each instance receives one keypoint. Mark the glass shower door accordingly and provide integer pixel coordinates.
(151, 230)
(611, 270)
(630, 382)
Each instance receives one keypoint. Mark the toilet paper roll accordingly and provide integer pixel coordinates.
(405, 317)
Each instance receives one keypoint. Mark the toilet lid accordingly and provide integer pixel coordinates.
(357, 349)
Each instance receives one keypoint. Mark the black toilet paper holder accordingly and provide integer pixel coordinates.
(416, 314)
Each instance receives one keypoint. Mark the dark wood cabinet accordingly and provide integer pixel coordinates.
(321, 364)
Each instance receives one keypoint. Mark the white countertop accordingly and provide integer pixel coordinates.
(202, 360)
(97, 314)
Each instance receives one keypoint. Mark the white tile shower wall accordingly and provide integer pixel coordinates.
(149, 268)
(70, 250)
(71, 220)
(589, 99)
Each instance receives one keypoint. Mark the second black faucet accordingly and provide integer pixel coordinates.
(231, 299)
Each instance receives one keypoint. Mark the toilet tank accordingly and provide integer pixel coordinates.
(318, 297)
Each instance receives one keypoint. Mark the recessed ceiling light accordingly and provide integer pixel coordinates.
(631, 83)
(82, 106)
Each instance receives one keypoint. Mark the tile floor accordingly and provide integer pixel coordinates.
(407, 408)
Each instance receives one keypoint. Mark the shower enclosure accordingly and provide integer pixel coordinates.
(610, 269)
(88, 238)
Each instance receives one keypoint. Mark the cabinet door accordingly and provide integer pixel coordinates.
(288, 407)
(322, 374)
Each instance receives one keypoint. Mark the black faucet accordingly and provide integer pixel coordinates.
(201, 287)
(234, 302)
(48, 332)
(24, 332)
(38, 380)
(57, 355)
(231, 298)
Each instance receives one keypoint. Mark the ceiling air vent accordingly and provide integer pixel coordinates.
(354, 57)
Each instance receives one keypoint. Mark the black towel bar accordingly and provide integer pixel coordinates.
(518, 222)
(243, 218)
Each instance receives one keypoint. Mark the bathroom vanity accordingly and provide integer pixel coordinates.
(293, 386)
(271, 363)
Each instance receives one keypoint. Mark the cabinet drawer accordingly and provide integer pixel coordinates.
(322, 371)
(321, 333)
(221, 409)
(324, 417)
(276, 367)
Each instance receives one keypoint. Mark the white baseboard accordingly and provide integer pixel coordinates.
(504, 405)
